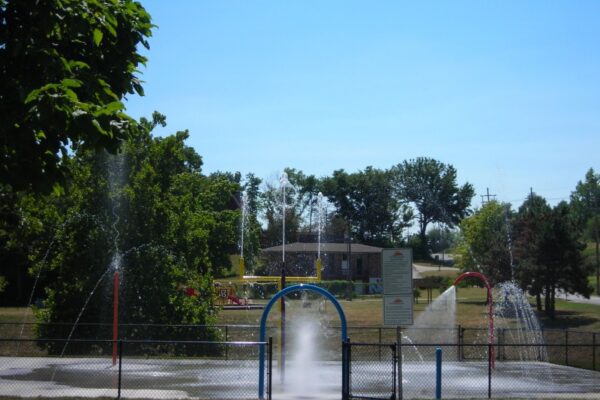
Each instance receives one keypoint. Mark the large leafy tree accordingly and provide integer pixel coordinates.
(365, 201)
(585, 202)
(431, 187)
(485, 244)
(65, 66)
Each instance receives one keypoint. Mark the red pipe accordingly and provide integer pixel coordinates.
(490, 308)
(115, 316)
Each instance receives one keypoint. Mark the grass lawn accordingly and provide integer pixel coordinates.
(471, 312)
(368, 311)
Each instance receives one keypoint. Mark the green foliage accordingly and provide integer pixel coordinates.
(337, 288)
(548, 252)
(148, 212)
(431, 187)
(365, 200)
(485, 243)
(420, 248)
(585, 205)
(252, 228)
(66, 65)
(441, 239)
(2, 283)
(272, 209)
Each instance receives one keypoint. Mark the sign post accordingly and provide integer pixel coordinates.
(396, 267)
(396, 271)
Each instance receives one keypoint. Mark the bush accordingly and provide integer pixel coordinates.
(337, 288)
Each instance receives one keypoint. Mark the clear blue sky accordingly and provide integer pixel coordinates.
(507, 92)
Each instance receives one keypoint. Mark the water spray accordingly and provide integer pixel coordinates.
(490, 307)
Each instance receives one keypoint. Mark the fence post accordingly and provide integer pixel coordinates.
(226, 340)
(346, 369)
(489, 370)
(379, 347)
(399, 369)
(270, 369)
(438, 373)
(594, 351)
(567, 347)
(120, 368)
(461, 341)
(394, 368)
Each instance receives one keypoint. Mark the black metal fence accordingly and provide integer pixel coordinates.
(480, 377)
(372, 370)
(566, 347)
(169, 369)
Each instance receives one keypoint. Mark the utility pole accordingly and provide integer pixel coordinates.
(488, 195)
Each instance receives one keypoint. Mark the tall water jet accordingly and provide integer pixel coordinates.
(517, 323)
(284, 182)
(242, 231)
(304, 376)
(319, 230)
(436, 324)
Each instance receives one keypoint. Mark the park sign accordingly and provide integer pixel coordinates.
(396, 270)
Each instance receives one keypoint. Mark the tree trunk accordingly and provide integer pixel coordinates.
(552, 302)
(538, 301)
(547, 304)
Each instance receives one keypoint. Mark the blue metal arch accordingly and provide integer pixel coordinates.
(263, 324)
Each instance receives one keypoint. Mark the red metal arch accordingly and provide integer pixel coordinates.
(490, 307)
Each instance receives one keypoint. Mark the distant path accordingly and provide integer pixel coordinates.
(420, 268)
(575, 298)
(429, 268)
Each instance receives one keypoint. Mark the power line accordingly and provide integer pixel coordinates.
(488, 195)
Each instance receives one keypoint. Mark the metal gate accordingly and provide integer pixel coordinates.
(370, 371)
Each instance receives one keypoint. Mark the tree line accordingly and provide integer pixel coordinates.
(539, 246)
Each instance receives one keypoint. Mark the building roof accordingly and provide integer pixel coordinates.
(299, 247)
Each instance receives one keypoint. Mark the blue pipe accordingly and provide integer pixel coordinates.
(438, 373)
(263, 325)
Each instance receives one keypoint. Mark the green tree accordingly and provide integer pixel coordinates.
(431, 187)
(365, 200)
(548, 252)
(64, 68)
(485, 245)
(307, 187)
(585, 202)
(151, 214)
(272, 199)
(252, 229)
(441, 239)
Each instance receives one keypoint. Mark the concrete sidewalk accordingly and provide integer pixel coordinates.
(575, 298)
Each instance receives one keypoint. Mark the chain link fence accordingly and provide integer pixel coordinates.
(371, 368)
(141, 369)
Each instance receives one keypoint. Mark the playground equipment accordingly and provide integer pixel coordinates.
(263, 330)
(227, 295)
(490, 302)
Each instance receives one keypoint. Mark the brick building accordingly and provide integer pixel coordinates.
(365, 261)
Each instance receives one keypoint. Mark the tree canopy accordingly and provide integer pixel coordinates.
(585, 201)
(431, 187)
(366, 202)
(485, 245)
(148, 212)
(65, 66)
